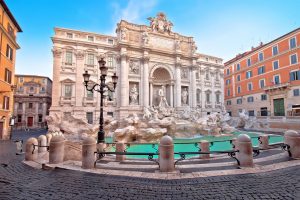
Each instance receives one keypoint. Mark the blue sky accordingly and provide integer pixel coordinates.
(221, 28)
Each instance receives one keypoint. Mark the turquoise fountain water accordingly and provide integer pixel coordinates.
(220, 143)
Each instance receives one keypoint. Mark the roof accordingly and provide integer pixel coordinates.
(36, 76)
(3, 4)
(239, 56)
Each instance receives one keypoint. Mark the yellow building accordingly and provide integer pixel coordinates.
(32, 101)
(8, 46)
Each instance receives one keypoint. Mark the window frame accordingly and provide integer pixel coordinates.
(295, 54)
(295, 42)
(260, 59)
(274, 65)
(273, 50)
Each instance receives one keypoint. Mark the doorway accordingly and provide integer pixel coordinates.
(29, 121)
(1, 130)
(279, 107)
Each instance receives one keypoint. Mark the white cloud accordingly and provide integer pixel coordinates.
(134, 11)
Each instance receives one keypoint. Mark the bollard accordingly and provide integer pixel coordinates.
(56, 150)
(88, 153)
(48, 136)
(264, 142)
(42, 140)
(244, 146)
(292, 138)
(29, 156)
(120, 147)
(233, 143)
(166, 154)
(204, 146)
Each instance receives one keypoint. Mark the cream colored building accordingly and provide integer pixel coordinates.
(145, 58)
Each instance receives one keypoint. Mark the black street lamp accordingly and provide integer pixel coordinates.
(100, 88)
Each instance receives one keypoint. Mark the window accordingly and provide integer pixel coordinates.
(228, 71)
(31, 89)
(110, 41)
(21, 79)
(40, 118)
(207, 75)
(295, 75)
(20, 106)
(90, 38)
(275, 64)
(296, 92)
(275, 50)
(30, 105)
(218, 97)
(293, 59)
(276, 79)
(19, 119)
(262, 83)
(217, 76)
(21, 89)
(89, 117)
(90, 59)
(248, 74)
(239, 89)
(250, 99)
(68, 90)
(251, 113)
(239, 101)
(110, 61)
(197, 75)
(69, 57)
(9, 52)
(7, 77)
(228, 92)
(249, 62)
(227, 81)
(208, 97)
(238, 77)
(238, 67)
(69, 35)
(198, 94)
(89, 94)
(228, 103)
(261, 70)
(5, 103)
(10, 30)
(250, 87)
(261, 56)
(42, 90)
(292, 43)
(263, 97)
(40, 105)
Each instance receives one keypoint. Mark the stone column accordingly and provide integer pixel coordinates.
(56, 89)
(292, 138)
(166, 154)
(204, 146)
(145, 82)
(42, 140)
(213, 92)
(151, 93)
(79, 87)
(245, 154)
(31, 155)
(203, 96)
(56, 150)
(124, 84)
(171, 95)
(264, 142)
(194, 88)
(120, 147)
(178, 85)
(88, 153)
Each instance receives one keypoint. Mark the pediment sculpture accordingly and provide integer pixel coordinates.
(160, 23)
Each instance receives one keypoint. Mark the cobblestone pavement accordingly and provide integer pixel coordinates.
(19, 181)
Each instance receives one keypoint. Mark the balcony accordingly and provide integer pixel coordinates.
(280, 86)
(67, 100)
(89, 100)
(70, 67)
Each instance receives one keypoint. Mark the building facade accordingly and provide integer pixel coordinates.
(266, 80)
(146, 59)
(8, 46)
(32, 101)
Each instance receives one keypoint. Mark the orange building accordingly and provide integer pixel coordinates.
(8, 46)
(266, 80)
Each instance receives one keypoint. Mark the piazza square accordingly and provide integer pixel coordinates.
(142, 100)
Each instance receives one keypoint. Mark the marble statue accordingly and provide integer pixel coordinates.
(163, 101)
(133, 95)
(123, 33)
(133, 66)
(177, 45)
(147, 113)
(194, 48)
(160, 23)
(184, 96)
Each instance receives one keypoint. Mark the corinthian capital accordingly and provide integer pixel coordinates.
(79, 55)
(57, 52)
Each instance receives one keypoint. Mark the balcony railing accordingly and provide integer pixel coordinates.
(277, 86)
(67, 100)
(89, 100)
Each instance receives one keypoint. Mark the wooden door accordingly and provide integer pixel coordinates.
(29, 121)
(279, 107)
(1, 130)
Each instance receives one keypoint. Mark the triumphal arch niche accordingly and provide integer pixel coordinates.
(155, 66)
